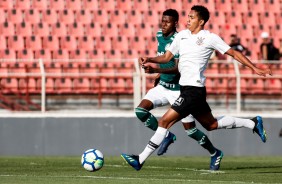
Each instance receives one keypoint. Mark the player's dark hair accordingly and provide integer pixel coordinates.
(173, 13)
(203, 12)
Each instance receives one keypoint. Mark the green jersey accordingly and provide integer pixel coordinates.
(169, 81)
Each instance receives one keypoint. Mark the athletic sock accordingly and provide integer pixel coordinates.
(153, 144)
(232, 122)
(201, 138)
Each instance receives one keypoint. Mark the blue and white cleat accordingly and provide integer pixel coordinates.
(166, 142)
(259, 128)
(132, 160)
(215, 160)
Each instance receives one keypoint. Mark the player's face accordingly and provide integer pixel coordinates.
(193, 22)
(168, 25)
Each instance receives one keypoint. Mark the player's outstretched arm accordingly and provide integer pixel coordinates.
(165, 58)
(245, 61)
(150, 69)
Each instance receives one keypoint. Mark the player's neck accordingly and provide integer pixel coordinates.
(197, 30)
(169, 34)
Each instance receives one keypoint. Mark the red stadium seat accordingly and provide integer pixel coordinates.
(278, 18)
(137, 43)
(14, 16)
(120, 43)
(157, 5)
(151, 17)
(104, 43)
(251, 18)
(7, 29)
(76, 29)
(245, 31)
(3, 42)
(57, 5)
(23, 5)
(110, 30)
(33, 42)
(127, 30)
(25, 54)
(74, 5)
(6, 4)
(61, 54)
(78, 54)
(256, 6)
(2, 18)
(63, 85)
(32, 16)
(272, 6)
(66, 16)
(82, 85)
(234, 18)
(124, 5)
(174, 4)
(210, 4)
(240, 6)
(16, 42)
(276, 32)
(8, 54)
(100, 16)
(117, 17)
(43, 54)
(218, 18)
(68, 43)
(223, 5)
(86, 43)
(93, 30)
(257, 30)
(91, 5)
(267, 18)
(83, 16)
(39, 4)
(59, 29)
(108, 5)
(24, 29)
(96, 54)
(41, 29)
(144, 30)
(152, 43)
(188, 4)
(134, 17)
(49, 16)
(142, 5)
(130, 54)
(51, 43)
(113, 54)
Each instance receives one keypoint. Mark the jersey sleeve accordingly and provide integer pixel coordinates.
(174, 47)
(218, 44)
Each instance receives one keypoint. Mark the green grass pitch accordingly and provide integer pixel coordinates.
(164, 170)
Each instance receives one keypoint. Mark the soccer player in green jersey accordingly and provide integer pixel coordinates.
(167, 91)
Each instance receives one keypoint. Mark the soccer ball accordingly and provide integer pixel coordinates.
(92, 160)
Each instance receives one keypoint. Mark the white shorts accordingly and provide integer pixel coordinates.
(161, 96)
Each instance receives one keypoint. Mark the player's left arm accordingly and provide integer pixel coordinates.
(245, 61)
(149, 69)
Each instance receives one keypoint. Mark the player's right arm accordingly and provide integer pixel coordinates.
(149, 69)
(165, 58)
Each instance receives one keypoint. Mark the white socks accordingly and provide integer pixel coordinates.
(153, 144)
(232, 122)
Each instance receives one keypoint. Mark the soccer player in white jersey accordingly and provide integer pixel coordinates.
(168, 90)
(195, 46)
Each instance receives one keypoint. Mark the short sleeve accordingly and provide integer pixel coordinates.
(174, 47)
(218, 44)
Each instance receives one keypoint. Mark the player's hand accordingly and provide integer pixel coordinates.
(148, 68)
(263, 72)
(142, 61)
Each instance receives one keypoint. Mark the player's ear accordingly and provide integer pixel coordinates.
(202, 22)
(176, 24)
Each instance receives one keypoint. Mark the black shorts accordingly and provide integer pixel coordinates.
(192, 100)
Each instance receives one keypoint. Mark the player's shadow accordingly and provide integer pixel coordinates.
(261, 167)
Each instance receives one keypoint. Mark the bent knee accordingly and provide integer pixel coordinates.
(211, 126)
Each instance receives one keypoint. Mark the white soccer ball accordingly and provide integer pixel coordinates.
(92, 160)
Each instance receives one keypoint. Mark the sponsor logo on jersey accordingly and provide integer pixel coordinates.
(200, 41)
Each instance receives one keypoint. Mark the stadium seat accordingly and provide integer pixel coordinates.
(256, 6)
(278, 18)
(223, 6)
(127, 30)
(240, 6)
(51, 43)
(8, 54)
(74, 5)
(226, 30)
(78, 54)
(32, 16)
(188, 4)
(33, 42)
(57, 5)
(63, 85)
(39, 5)
(120, 43)
(83, 16)
(10, 85)
(151, 17)
(68, 43)
(86, 43)
(7, 29)
(3, 42)
(113, 54)
(257, 30)
(174, 4)
(108, 5)
(124, 5)
(93, 30)
(91, 5)
(59, 29)
(218, 18)
(117, 17)
(16, 42)
(234, 18)
(14, 16)
(158, 5)
(214, 28)
(41, 29)
(66, 16)
(134, 17)
(6, 4)
(152, 43)
(25, 54)
(130, 54)
(49, 16)
(96, 54)
(82, 85)
(141, 5)
(44, 54)
(111, 30)
(61, 54)
(2, 18)
(24, 29)
(272, 6)
(144, 30)
(276, 32)
(267, 18)
(76, 29)
(251, 18)
(245, 31)
(22, 5)
(137, 43)
(100, 16)
(104, 43)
